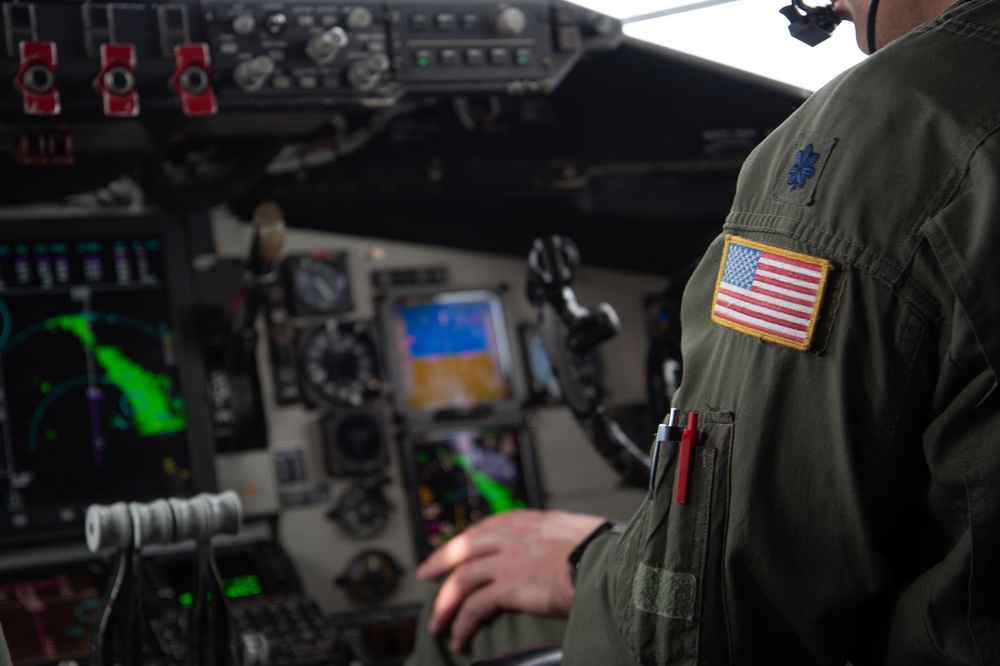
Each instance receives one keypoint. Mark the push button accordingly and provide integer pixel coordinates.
(420, 23)
(499, 56)
(423, 58)
(475, 57)
(445, 22)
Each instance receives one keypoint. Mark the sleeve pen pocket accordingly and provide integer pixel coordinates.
(669, 559)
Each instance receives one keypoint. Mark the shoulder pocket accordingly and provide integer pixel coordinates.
(669, 558)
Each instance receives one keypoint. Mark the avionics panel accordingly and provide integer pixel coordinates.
(449, 353)
(101, 391)
(48, 618)
(458, 475)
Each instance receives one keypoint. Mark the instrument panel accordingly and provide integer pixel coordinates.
(80, 61)
(344, 491)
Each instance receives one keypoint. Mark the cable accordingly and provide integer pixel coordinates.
(872, 10)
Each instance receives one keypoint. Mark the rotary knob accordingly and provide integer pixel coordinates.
(365, 74)
(509, 21)
(244, 24)
(359, 18)
(325, 46)
(251, 74)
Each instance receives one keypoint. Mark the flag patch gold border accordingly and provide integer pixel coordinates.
(769, 293)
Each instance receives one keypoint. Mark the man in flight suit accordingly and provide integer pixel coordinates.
(842, 350)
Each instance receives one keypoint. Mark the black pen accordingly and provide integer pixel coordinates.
(668, 432)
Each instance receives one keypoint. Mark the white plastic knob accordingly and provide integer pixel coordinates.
(152, 522)
(108, 526)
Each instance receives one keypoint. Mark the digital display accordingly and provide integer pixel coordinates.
(461, 475)
(450, 352)
(92, 407)
(49, 619)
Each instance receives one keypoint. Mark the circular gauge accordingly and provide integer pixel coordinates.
(371, 576)
(353, 441)
(363, 511)
(319, 284)
(339, 365)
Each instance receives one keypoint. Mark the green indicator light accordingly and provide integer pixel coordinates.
(423, 62)
(238, 587)
(523, 60)
(186, 598)
(51, 435)
(45, 387)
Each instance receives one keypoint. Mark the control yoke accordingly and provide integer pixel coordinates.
(569, 332)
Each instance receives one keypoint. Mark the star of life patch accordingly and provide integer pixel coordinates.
(769, 293)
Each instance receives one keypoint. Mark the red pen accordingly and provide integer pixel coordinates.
(689, 439)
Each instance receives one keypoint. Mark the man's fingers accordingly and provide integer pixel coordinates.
(463, 582)
(466, 546)
(478, 607)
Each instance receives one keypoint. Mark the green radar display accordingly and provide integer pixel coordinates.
(91, 406)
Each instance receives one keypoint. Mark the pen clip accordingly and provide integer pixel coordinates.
(665, 432)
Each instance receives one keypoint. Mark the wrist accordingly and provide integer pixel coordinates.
(576, 557)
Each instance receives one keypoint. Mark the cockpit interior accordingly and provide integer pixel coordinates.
(293, 291)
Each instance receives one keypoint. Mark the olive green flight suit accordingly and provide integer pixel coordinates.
(844, 499)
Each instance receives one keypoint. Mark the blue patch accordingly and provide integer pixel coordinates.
(804, 167)
(741, 266)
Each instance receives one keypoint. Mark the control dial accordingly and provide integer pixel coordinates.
(251, 74)
(325, 46)
(509, 22)
(365, 74)
(370, 578)
(363, 511)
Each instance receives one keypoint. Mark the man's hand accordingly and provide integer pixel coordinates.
(510, 561)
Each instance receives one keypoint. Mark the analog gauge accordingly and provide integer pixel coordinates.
(363, 511)
(339, 365)
(370, 578)
(319, 283)
(353, 441)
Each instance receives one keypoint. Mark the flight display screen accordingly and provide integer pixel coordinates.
(461, 475)
(450, 352)
(92, 407)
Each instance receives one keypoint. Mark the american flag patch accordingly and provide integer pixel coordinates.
(769, 293)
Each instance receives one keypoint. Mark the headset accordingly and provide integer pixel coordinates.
(813, 25)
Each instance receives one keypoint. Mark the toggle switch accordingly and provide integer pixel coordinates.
(116, 81)
(36, 78)
(191, 80)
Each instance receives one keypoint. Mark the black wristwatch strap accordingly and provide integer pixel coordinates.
(577, 554)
